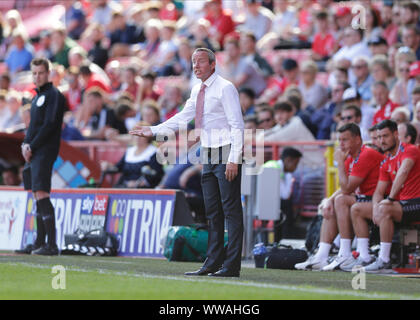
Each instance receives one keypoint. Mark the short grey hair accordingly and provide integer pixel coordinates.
(210, 54)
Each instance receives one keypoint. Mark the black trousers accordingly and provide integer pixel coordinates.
(222, 200)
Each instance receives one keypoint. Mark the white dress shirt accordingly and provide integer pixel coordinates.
(222, 118)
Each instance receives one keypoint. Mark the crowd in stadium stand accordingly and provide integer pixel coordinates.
(303, 69)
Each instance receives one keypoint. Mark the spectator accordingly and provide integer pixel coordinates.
(415, 98)
(373, 28)
(200, 35)
(390, 28)
(98, 53)
(248, 48)
(10, 176)
(294, 97)
(247, 99)
(13, 25)
(113, 71)
(129, 84)
(343, 18)
(90, 80)
(162, 63)
(352, 97)
(170, 101)
(288, 126)
(384, 105)
(221, 21)
(416, 120)
(410, 12)
(96, 117)
(14, 102)
(284, 21)
(291, 74)
(44, 45)
(403, 87)
(258, 20)
(75, 19)
(363, 80)
(61, 45)
(139, 165)
(149, 91)
(74, 93)
(151, 45)
(150, 113)
(411, 38)
(240, 70)
(121, 31)
(102, 11)
(353, 46)
(323, 44)
(381, 71)
(266, 119)
(168, 11)
(352, 113)
(378, 46)
(183, 65)
(324, 117)
(77, 56)
(251, 123)
(274, 89)
(20, 55)
(314, 95)
(400, 115)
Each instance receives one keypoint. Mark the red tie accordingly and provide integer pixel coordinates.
(200, 107)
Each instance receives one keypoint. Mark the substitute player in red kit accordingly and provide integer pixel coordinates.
(401, 169)
(358, 168)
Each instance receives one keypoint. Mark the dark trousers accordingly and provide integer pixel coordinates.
(222, 200)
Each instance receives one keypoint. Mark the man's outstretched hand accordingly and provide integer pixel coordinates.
(141, 131)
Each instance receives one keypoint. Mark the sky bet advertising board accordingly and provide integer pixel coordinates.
(138, 219)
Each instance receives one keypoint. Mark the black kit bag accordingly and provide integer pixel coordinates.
(92, 243)
(284, 257)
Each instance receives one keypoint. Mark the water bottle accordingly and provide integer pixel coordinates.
(259, 249)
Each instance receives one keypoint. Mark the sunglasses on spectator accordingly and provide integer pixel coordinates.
(347, 118)
(265, 120)
(404, 70)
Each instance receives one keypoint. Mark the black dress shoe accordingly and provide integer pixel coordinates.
(28, 249)
(46, 250)
(225, 273)
(200, 272)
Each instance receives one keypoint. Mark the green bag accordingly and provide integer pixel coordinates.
(187, 243)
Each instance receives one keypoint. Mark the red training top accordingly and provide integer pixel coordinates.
(389, 169)
(365, 165)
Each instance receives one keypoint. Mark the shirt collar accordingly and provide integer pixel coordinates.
(44, 87)
(210, 79)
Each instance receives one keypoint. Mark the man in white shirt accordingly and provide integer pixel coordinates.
(215, 106)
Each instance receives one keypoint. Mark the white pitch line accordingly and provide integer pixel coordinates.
(333, 292)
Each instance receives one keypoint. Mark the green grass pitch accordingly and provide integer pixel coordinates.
(31, 277)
